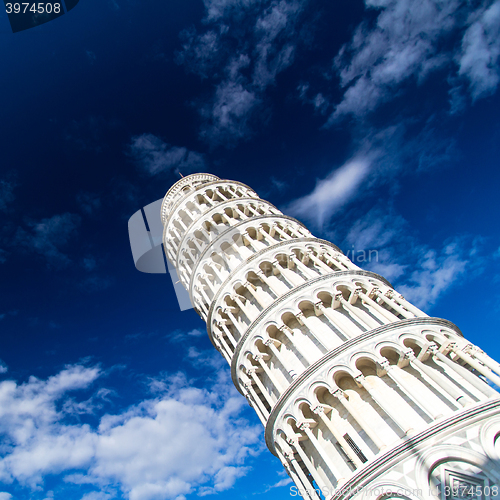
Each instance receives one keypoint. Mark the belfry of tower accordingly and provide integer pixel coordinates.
(360, 392)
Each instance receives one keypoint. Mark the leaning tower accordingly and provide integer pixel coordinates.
(362, 395)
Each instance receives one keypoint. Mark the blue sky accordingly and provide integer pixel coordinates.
(376, 123)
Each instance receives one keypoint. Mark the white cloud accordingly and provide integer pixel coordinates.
(48, 237)
(247, 43)
(436, 273)
(88, 202)
(154, 156)
(217, 9)
(97, 495)
(396, 251)
(478, 59)
(282, 482)
(185, 440)
(409, 40)
(6, 193)
(229, 114)
(331, 193)
(5, 496)
(403, 43)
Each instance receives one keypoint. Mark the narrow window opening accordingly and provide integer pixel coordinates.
(355, 448)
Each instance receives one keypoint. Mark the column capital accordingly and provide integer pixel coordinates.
(247, 284)
(285, 328)
(433, 348)
(318, 409)
(410, 355)
(300, 317)
(338, 393)
(385, 365)
(303, 425)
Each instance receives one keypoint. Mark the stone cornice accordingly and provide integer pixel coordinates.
(225, 233)
(175, 188)
(291, 293)
(202, 186)
(283, 400)
(256, 256)
(217, 208)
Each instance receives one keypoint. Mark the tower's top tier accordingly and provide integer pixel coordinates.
(182, 187)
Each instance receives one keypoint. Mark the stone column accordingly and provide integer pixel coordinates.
(301, 318)
(260, 359)
(305, 426)
(380, 400)
(473, 380)
(359, 418)
(440, 380)
(303, 480)
(252, 290)
(393, 373)
(265, 280)
(253, 374)
(334, 429)
(258, 401)
(482, 369)
(228, 333)
(277, 354)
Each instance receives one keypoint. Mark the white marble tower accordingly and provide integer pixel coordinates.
(362, 395)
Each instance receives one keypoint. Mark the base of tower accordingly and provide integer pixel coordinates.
(462, 451)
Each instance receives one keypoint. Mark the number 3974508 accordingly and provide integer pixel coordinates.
(35, 8)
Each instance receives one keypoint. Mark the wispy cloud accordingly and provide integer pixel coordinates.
(48, 237)
(229, 114)
(245, 45)
(89, 202)
(186, 440)
(409, 41)
(331, 193)
(155, 156)
(6, 193)
(436, 273)
(282, 482)
(422, 273)
(478, 58)
(95, 283)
